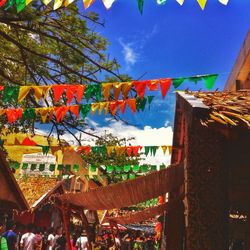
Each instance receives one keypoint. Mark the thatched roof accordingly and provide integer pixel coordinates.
(37, 189)
(227, 108)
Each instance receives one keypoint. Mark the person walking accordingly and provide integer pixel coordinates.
(82, 242)
(28, 240)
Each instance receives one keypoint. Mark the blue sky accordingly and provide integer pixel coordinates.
(173, 41)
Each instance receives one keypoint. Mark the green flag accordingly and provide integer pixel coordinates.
(20, 5)
(140, 104)
(126, 168)
(41, 167)
(52, 167)
(28, 114)
(146, 148)
(25, 166)
(110, 169)
(93, 168)
(178, 81)
(76, 167)
(144, 168)
(67, 167)
(150, 99)
(210, 80)
(140, 5)
(132, 176)
(10, 93)
(136, 168)
(33, 167)
(60, 167)
(84, 109)
(118, 169)
(45, 149)
(9, 4)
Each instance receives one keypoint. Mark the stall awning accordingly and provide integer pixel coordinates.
(139, 216)
(130, 192)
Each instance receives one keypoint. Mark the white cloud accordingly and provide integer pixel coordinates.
(130, 56)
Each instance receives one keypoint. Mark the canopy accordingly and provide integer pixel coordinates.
(130, 192)
(139, 216)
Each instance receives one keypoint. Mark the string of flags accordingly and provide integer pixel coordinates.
(104, 91)
(45, 114)
(129, 151)
(93, 170)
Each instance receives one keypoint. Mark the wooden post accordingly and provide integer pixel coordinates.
(66, 221)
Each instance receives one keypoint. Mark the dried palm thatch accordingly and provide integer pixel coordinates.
(226, 108)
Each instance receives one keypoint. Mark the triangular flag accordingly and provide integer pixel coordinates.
(28, 142)
(165, 85)
(113, 107)
(202, 3)
(58, 91)
(178, 81)
(94, 107)
(46, 91)
(46, 113)
(87, 150)
(20, 5)
(147, 148)
(2, 3)
(110, 149)
(104, 106)
(108, 3)
(87, 3)
(38, 92)
(129, 150)
(14, 114)
(210, 81)
(80, 92)
(85, 110)
(152, 85)
(9, 4)
(23, 92)
(140, 87)
(150, 99)
(119, 150)
(122, 105)
(60, 112)
(117, 89)
(170, 149)
(136, 150)
(164, 149)
(180, 2)
(17, 142)
(70, 92)
(10, 93)
(75, 110)
(125, 89)
(132, 104)
(225, 2)
(57, 4)
(161, 2)
(140, 5)
(68, 2)
(153, 150)
(140, 104)
(45, 149)
(106, 90)
(29, 114)
(46, 2)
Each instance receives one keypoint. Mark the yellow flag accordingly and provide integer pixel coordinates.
(106, 90)
(46, 113)
(28, 2)
(110, 149)
(119, 150)
(94, 107)
(38, 92)
(104, 106)
(46, 90)
(164, 149)
(23, 92)
(117, 89)
(87, 3)
(202, 3)
(108, 3)
(180, 2)
(57, 4)
(170, 150)
(125, 89)
(68, 2)
(46, 2)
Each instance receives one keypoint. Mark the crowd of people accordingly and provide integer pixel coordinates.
(20, 237)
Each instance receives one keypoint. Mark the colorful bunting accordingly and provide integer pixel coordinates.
(210, 80)
(140, 5)
(202, 3)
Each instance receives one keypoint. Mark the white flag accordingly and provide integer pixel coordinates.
(108, 3)
(225, 2)
(180, 1)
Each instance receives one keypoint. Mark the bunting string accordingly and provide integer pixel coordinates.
(104, 91)
(21, 4)
(79, 111)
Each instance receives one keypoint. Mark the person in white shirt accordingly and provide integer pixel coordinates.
(82, 242)
(51, 239)
(28, 240)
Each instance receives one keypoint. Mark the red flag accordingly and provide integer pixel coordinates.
(80, 149)
(14, 114)
(165, 85)
(80, 92)
(1, 87)
(70, 92)
(132, 104)
(140, 87)
(58, 91)
(113, 107)
(87, 150)
(136, 150)
(153, 85)
(129, 150)
(61, 112)
(28, 142)
(2, 2)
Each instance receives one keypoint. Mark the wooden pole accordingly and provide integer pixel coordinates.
(66, 220)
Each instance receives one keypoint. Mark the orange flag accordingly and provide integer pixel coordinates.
(140, 87)
(110, 149)
(104, 106)
(14, 114)
(23, 92)
(122, 105)
(75, 110)
(170, 148)
(132, 104)
(129, 150)
(87, 3)
(70, 92)
(164, 149)
(80, 92)
(117, 89)
(106, 90)
(94, 107)
(45, 113)
(136, 150)
(60, 112)
(58, 91)
(125, 89)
